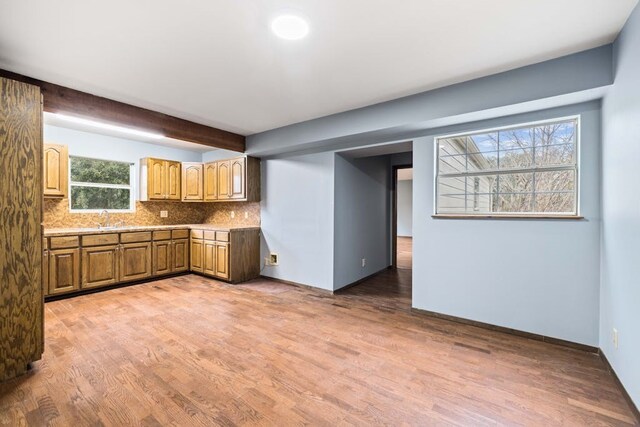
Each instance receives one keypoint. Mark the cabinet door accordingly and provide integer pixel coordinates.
(135, 261)
(156, 179)
(224, 184)
(211, 181)
(209, 258)
(173, 180)
(56, 170)
(192, 185)
(238, 178)
(99, 266)
(45, 272)
(161, 252)
(196, 255)
(222, 260)
(180, 255)
(64, 271)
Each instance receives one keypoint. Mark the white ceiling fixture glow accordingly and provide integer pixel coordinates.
(107, 126)
(290, 27)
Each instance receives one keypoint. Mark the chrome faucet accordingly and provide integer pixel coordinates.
(108, 223)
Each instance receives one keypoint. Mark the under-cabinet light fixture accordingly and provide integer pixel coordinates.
(107, 126)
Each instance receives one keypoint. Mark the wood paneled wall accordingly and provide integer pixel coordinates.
(21, 300)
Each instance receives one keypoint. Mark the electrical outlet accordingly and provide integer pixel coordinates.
(233, 214)
(164, 214)
(364, 262)
(615, 338)
(246, 215)
(273, 258)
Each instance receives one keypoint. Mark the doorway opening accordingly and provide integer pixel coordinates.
(402, 224)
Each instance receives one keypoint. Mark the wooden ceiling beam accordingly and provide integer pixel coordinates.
(60, 99)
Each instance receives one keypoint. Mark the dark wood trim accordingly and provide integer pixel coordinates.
(357, 282)
(88, 291)
(300, 285)
(394, 213)
(60, 99)
(626, 394)
(516, 332)
(533, 217)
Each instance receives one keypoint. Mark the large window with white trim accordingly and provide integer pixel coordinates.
(97, 184)
(521, 170)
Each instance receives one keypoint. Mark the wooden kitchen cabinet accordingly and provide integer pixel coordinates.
(197, 249)
(56, 170)
(135, 261)
(237, 178)
(192, 182)
(160, 179)
(210, 181)
(222, 261)
(224, 180)
(100, 266)
(180, 255)
(64, 271)
(162, 257)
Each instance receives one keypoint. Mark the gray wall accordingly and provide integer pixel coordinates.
(297, 218)
(539, 276)
(620, 292)
(405, 208)
(362, 218)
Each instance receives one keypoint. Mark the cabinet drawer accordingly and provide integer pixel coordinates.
(197, 234)
(64, 242)
(100, 239)
(140, 236)
(180, 234)
(162, 235)
(209, 235)
(222, 236)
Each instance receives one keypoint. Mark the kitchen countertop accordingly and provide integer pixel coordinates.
(48, 232)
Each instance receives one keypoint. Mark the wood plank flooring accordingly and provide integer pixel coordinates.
(404, 253)
(192, 351)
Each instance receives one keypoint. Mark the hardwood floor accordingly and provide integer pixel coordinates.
(192, 351)
(404, 252)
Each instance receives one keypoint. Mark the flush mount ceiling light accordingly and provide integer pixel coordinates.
(107, 126)
(290, 27)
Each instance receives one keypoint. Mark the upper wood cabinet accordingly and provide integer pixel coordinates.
(56, 170)
(192, 181)
(211, 181)
(160, 179)
(232, 180)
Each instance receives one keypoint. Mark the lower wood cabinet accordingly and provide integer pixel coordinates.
(180, 255)
(100, 266)
(135, 261)
(64, 271)
(161, 263)
(222, 260)
(197, 250)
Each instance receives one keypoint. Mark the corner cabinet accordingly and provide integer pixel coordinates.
(160, 179)
(56, 170)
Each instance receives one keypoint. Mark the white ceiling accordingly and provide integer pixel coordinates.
(216, 62)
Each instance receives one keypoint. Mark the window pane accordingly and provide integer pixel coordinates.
(555, 181)
(516, 138)
(555, 202)
(559, 133)
(451, 186)
(452, 146)
(482, 143)
(452, 164)
(516, 158)
(99, 171)
(555, 155)
(99, 198)
(514, 203)
(515, 183)
(483, 161)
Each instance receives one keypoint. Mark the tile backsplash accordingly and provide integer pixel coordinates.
(57, 215)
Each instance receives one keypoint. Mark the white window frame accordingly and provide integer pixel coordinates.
(130, 187)
(576, 212)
